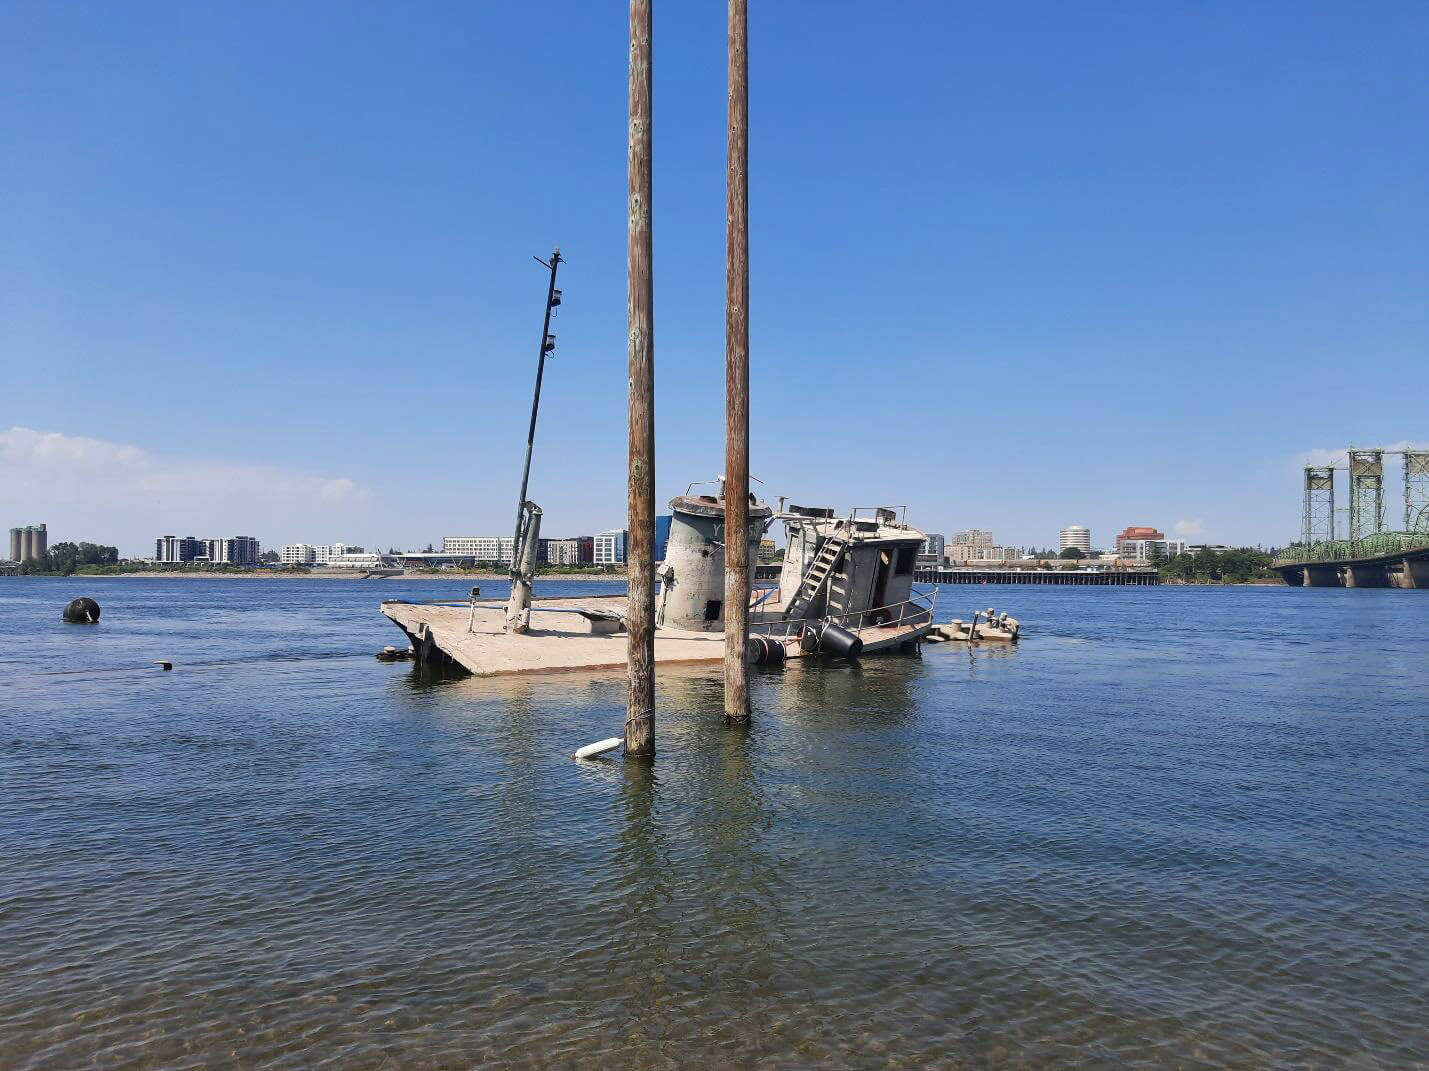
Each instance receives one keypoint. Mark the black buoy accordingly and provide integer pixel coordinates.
(831, 639)
(82, 612)
(765, 650)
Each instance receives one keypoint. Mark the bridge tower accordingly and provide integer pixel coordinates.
(1318, 519)
(1366, 493)
(1416, 490)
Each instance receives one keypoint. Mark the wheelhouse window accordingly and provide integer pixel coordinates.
(906, 558)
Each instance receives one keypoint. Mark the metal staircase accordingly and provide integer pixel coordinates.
(817, 576)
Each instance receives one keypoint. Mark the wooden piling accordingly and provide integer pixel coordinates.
(640, 485)
(736, 372)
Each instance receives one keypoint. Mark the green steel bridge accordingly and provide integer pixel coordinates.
(1383, 560)
(1372, 556)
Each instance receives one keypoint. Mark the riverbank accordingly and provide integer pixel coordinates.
(335, 574)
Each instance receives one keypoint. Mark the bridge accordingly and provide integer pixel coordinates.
(1373, 556)
(1383, 560)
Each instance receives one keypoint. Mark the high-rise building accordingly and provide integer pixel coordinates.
(609, 547)
(976, 537)
(234, 550)
(933, 546)
(28, 542)
(1078, 536)
(1134, 532)
(174, 549)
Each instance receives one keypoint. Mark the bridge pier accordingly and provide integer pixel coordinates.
(1366, 576)
(1322, 576)
(1416, 573)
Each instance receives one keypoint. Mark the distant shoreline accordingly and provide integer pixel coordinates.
(346, 574)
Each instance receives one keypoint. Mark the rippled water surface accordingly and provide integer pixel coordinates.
(1175, 827)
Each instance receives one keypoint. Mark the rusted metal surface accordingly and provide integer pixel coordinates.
(736, 364)
(640, 319)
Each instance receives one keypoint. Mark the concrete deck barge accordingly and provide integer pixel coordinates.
(575, 634)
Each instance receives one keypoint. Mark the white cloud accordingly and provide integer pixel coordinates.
(1188, 528)
(119, 493)
(1321, 456)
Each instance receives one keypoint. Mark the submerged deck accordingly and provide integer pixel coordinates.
(561, 639)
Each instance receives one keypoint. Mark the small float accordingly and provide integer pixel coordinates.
(986, 626)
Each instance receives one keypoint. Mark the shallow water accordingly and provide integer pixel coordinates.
(1175, 826)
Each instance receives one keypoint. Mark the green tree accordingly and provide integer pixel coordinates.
(270, 557)
(1072, 553)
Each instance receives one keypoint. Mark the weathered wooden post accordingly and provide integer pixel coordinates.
(736, 376)
(640, 484)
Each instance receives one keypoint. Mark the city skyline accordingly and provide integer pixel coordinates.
(1135, 254)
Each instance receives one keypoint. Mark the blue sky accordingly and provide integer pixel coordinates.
(266, 268)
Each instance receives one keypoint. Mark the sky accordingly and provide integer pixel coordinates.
(266, 269)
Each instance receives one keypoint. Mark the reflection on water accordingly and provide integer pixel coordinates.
(1199, 845)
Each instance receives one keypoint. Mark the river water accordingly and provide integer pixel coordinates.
(1176, 826)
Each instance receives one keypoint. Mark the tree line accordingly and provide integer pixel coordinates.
(64, 559)
(1234, 566)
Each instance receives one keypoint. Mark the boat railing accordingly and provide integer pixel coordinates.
(917, 608)
(873, 514)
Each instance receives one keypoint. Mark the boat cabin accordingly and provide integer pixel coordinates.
(841, 566)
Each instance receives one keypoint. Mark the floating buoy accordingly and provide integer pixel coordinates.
(165, 666)
(82, 612)
(765, 650)
(600, 747)
(831, 639)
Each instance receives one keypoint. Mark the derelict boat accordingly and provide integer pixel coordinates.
(846, 587)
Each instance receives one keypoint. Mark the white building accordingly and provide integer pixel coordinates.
(480, 548)
(298, 554)
(961, 553)
(1075, 535)
(1142, 551)
(316, 553)
(355, 559)
(610, 547)
(932, 549)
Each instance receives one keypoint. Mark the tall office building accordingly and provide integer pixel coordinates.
(1075, 535)
(1138, 534)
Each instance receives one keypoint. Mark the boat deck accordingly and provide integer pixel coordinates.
(562, 639)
